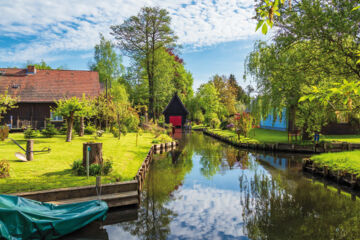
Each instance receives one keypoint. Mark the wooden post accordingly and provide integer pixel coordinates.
(95, 155)
(29, 150)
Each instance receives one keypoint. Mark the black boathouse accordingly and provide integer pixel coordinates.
(175, 112)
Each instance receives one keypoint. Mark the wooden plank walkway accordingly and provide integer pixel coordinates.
(113, 200)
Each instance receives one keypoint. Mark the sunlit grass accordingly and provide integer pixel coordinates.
(345, 161)
(52, 170)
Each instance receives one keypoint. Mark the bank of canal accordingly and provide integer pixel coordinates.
(207, 189)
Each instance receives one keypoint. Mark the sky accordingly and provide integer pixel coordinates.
(216, 35)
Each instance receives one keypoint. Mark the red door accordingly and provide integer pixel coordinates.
(175, 120)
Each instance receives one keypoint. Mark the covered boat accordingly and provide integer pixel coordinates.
(22, 218)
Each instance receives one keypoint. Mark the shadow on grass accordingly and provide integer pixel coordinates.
(65, 172)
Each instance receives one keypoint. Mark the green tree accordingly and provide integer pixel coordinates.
(141, 36)
(107, 62)
(208, 100)
(70, 109)
(120, 106)
(6, 102)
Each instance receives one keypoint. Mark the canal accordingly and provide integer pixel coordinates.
(210, 190)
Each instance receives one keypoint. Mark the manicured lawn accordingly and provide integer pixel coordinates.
(273, 136)
(257, 135)
(346, 161)
(52, 170)
(342, 138)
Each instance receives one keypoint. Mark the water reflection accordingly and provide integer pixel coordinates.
(209, 190)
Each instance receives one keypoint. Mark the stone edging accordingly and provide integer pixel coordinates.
(286, 147)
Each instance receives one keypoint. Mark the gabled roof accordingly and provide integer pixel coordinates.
(48, 85)
(175, 99)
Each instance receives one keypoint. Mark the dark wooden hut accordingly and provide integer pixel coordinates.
(175, 112)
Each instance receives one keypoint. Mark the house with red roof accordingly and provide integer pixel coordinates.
(37, 91)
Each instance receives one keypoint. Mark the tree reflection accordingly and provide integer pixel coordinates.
(166, 175)
(279, 209)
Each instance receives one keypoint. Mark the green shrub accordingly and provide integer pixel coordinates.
(107, 167)
(30, 133)
(214, 123)
(89, 129)
(94, 169)
(49, 131)
(4, 132)
(209, 117)
(78, 168)
(155, 141)
(4, 169)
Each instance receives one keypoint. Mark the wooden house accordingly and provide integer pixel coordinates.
(175, 112)
(37, 91)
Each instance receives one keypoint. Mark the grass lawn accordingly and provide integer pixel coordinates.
(346, 161)
(52, 170)
(257, 135)
(272, 136)
(342, 138)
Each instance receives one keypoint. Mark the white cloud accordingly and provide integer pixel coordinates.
(49, 27)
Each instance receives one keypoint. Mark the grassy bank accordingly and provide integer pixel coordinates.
(259, 135)
(345, 161)
(52, 170)
(256, 135)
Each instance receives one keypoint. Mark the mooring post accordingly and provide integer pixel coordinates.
(88, 149)
(29, 150)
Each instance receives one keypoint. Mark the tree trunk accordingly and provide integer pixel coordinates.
(95, 154)
(292, 118)
(29, 150)
(70, 123)
(81, 131)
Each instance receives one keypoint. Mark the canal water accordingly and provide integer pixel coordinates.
(207, 189)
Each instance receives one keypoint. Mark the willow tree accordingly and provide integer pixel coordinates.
(141, 36)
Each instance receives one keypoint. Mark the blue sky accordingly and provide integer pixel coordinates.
(216, 35)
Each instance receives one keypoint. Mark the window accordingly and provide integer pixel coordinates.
(54, 117)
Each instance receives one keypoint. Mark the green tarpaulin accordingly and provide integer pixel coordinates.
(22, 218)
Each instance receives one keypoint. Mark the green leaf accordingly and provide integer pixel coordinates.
(304, 98)
(264, 29)
(259, 24)
(270, 23)
(355, 8)
(358, 61)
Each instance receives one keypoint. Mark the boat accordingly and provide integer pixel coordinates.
(22, 218)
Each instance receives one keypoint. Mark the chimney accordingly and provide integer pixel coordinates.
(31, 69)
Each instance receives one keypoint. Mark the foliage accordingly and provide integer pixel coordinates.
(141, 36)
(210, 116)
(30, 133)
(49, 131)
(89, 129)
(214, 123)
(4, 132)
(107, 63)
(4, 169)
(199, 117)
(162, 138)
(72, 108)
(94, 169)
(243, 124)
(6, 102)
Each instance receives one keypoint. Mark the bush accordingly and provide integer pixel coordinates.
(199, 117)
(209, 117)
(89, 129)
(224, 124)
(94, 169)
(214, 123)
(163, 138)
(4, 132)
(4, 169)
(30, 133)
(49, 131)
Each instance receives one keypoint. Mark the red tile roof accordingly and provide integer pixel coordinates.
(48, 85)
